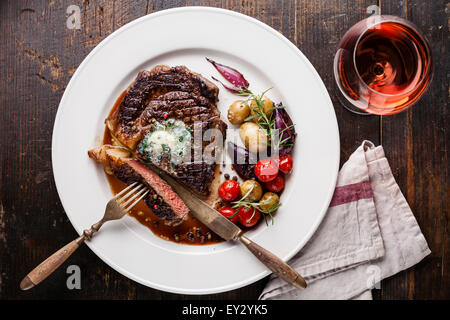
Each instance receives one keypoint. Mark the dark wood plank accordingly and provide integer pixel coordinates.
(397, 286)
(39, 55)
(320, 26)
(430, 132)
(416, 145)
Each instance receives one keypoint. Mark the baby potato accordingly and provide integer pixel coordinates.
(268, 200)
(267, 107)
(238, 111)
(253, 137)
(255, 194)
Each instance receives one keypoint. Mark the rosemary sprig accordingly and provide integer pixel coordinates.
(266, 123)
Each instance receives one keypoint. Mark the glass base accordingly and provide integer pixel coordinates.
(348, 105)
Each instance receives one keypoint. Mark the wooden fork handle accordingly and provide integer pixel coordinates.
(52, 263)
(278, 266)
(49, 265)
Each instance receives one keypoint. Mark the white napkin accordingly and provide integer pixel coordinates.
(369, 233)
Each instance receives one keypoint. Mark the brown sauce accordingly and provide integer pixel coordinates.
(191, 231)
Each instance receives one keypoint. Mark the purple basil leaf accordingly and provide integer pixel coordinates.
(243, 162)
(284, 122)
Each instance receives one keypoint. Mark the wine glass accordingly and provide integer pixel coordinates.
(382, 66)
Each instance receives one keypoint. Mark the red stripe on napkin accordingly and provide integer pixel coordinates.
(351, 192)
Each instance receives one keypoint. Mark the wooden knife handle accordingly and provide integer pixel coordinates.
(280, 268)
(49, 265)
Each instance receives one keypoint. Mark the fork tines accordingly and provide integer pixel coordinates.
(139, 191)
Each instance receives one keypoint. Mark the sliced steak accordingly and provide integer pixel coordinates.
(162, 200)
(165, 93)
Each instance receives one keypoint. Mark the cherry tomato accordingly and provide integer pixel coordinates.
(248, 217)
(228, 212)
(285, 164)
(276, 185)
(229, 190)
(266, 170)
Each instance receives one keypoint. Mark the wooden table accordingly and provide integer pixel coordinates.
(39, 54)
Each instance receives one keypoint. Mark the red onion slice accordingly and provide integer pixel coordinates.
(230, 74)
(232, 90)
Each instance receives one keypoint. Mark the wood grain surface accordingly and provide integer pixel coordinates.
(39, 54)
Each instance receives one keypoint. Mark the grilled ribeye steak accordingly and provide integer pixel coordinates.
(170, 93)
(163, 201)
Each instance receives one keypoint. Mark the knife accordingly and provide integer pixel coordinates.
(229, 231)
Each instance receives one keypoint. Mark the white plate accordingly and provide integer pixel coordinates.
(184, 36)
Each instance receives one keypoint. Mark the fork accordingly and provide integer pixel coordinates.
(116, 208)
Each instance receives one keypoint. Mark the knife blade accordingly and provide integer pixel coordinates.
(229, 231)
(201, 210)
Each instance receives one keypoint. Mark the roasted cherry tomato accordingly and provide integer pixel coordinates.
(248, 217)
(266, 170)
(228, 212)
(229, 190)
(285, 164)
(276, 185)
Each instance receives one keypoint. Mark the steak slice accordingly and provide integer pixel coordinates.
(165, 93)
(163, 201)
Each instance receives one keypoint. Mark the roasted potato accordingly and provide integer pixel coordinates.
(238, 112)
(268, 200)
(253, 137)
(267, 108)
(256, 192)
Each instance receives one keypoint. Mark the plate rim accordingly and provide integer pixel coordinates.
(293, 47)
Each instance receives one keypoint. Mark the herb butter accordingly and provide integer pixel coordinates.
(167, 141)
